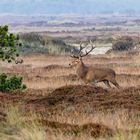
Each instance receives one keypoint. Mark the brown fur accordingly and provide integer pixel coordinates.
(90, 74)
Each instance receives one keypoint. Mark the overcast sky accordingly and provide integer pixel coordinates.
(33, 7)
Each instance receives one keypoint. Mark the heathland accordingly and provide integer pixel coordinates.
(56, 104)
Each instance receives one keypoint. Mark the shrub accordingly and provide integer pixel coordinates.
(11, 83)
(123, 44)
(8, 45)
(37, 43)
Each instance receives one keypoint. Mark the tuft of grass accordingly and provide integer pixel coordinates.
(18, 127)
(131, 135)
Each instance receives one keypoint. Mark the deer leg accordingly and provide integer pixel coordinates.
(115, 83)
(94, 83)
(106, 82)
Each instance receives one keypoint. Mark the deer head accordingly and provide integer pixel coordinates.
(78, 58)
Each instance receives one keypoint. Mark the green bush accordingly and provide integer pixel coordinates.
(11, 83)
(123, 44)
(37, 43)
(8, 45)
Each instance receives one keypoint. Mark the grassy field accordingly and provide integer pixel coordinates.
(58, 106)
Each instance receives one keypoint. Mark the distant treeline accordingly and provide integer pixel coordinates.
(37, 43)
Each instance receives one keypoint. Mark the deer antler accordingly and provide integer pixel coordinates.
(87, 52)
(74, 56)
(81, 48)
(79, 52)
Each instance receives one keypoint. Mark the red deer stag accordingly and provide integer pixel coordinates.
(90, 74)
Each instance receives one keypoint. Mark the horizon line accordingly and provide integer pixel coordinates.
(76, 14)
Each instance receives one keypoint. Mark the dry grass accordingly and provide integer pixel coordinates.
(77, 127)
(43, 74)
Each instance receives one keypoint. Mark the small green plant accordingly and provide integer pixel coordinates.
(11, 83)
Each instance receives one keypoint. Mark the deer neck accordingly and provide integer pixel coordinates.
(81, 70)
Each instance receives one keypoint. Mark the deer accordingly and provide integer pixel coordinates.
(90, 74)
